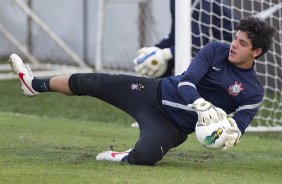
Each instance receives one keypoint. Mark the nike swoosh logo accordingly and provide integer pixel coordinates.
(21, 75)
(117, 153)
(217, 69)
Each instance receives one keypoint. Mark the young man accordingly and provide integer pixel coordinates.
(223, 19)
(220, 79)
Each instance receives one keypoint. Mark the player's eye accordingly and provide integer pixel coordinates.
(243, 44)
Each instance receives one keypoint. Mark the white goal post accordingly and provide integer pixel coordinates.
(183, 42)
(117, 47)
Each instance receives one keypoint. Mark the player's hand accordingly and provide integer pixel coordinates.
(233, 135)
(152, 61)
(207, 112)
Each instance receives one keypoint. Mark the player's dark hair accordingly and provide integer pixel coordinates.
(258, 31)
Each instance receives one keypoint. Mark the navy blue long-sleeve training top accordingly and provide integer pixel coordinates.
(212, 77)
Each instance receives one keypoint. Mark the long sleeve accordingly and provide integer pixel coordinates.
(198, 68)
(245, 113)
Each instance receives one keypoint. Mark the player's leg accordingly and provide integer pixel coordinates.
(128, 93)
(140, 98)
(157, 136)
(60, 84)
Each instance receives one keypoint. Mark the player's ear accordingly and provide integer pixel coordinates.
(257, 52)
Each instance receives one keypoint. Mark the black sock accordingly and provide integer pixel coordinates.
(41, 85)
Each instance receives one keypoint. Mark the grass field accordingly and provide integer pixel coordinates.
(55, 139)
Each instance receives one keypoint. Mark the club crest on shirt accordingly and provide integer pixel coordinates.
(236, 88)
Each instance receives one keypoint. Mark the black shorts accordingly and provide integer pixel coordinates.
(139, 97)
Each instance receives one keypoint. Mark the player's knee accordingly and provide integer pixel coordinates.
(82, 84)
(146, 153)
(144, 157)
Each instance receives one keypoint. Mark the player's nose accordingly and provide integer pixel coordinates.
(234, 45)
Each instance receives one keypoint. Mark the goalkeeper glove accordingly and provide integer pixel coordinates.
(208, 113)
(233, 135)
(152, 61)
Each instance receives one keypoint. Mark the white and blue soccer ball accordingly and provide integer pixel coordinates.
(212, 136)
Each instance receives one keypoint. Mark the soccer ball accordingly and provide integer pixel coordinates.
(212, 136)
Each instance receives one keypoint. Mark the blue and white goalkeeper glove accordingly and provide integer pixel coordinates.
(152, 61)
(233, 135)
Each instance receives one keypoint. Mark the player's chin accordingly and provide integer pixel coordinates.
(232, 59)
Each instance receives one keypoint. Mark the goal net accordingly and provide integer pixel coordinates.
(126, 25)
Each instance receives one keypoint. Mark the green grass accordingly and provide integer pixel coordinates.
(55, 139)
(55, 150)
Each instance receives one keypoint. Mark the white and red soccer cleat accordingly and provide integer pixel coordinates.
(112, 155)
(24, 73)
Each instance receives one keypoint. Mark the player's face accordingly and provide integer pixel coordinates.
(241, 53)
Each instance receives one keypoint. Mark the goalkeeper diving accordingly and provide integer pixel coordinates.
(220, 80)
